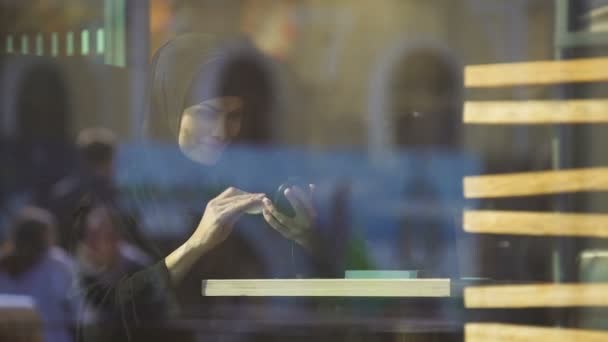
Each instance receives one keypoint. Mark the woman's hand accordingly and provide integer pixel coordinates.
(299, 228)
(220, 216)
(216, 224)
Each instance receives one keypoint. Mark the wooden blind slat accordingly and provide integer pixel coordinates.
(535, 223)
(539, 72)
(536, 112)
(542, 295)
(536, 183)
(484, 332)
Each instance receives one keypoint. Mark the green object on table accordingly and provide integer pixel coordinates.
(357, 254)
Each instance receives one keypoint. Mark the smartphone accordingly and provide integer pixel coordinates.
(281, 202)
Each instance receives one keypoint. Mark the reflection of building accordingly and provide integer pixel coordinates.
(84, 47)
(68, 28)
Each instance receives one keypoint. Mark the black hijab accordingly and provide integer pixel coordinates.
(194, 67)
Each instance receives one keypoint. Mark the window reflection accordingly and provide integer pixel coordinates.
(160, 157)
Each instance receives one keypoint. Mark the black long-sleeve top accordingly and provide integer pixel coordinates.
(145, 304)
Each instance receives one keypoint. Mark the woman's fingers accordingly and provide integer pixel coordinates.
(296, 228)
(227, 201)
(239, 204)
(279, 216)
(274, 223)
(231, 191)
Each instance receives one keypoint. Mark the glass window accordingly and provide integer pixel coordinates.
(303, 170)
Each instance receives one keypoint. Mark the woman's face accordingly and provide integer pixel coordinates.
(208, 127)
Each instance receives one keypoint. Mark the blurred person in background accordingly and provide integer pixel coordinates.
(92, 182)
(93, 178)
(35, 267)
(424, 89)
(419, 94)
(103, 258)
(426, 104)
(418, 91)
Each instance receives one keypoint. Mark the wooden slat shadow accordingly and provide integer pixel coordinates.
(536, 112)
(484, 332)
(536, 73)
(536, 183)
(535, 223)
(534, 296)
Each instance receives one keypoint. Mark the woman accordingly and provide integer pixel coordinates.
(205, 96)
